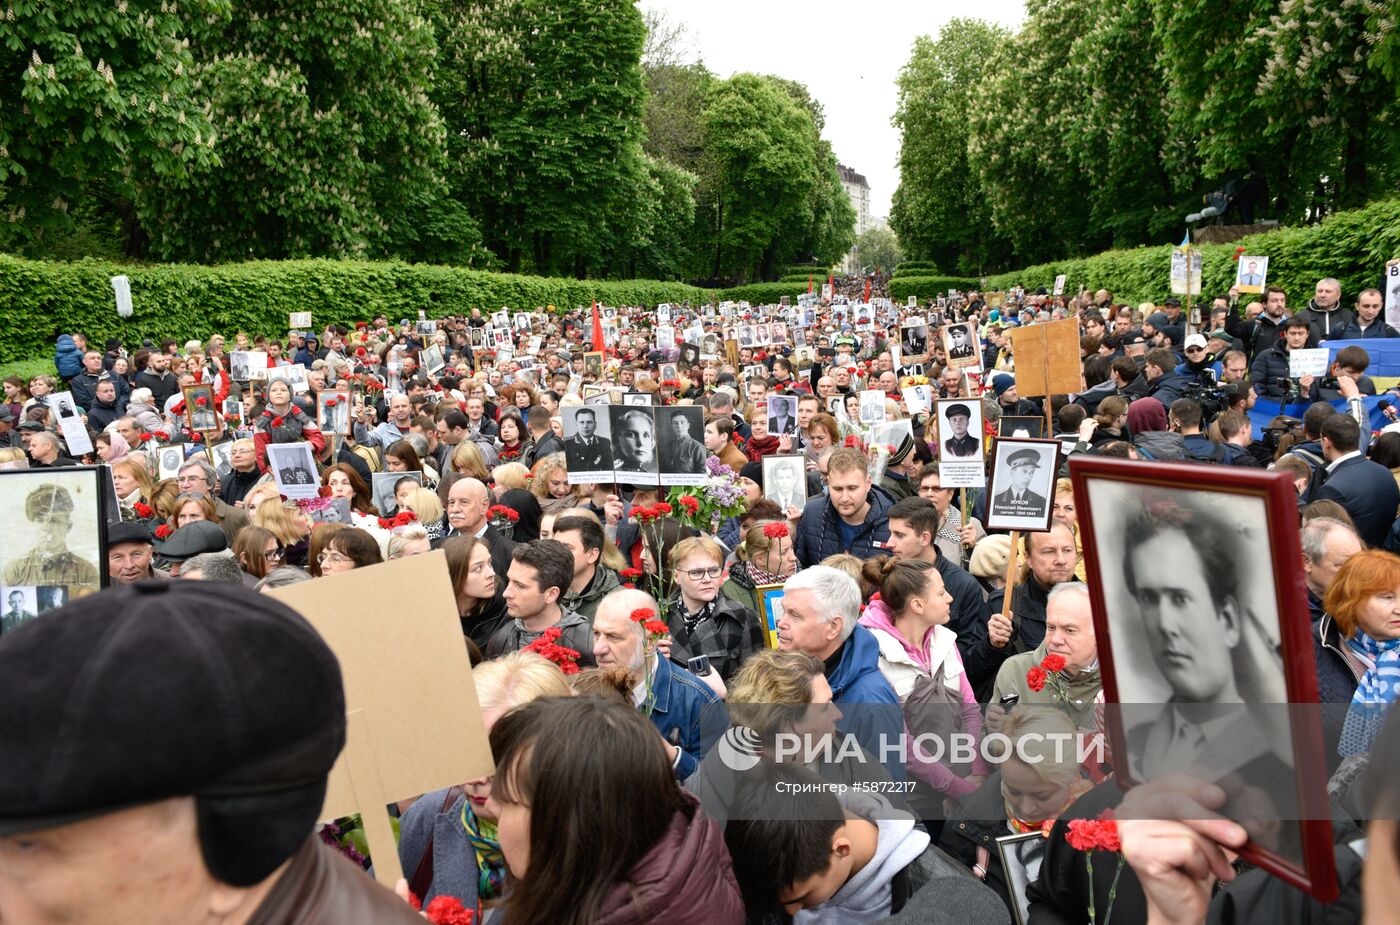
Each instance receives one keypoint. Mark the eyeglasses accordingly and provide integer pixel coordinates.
(697, 574)
(330, 556)
(275, 555)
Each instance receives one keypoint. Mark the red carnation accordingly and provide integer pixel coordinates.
(267, 413)
(655, 627)
(1053, 662)
(1094, 834)
(201, 401)
(143, 437)
(690, 503)
(501, 511)
(631, 573)
(1035, 679)
(142, 510)
(278, 421)
(330, 403)
(642, 615)
(163, 531)
(448, 910)
(661, 507)
(196, 438)
(776, 530)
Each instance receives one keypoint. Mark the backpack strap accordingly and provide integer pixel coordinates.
(422, 878)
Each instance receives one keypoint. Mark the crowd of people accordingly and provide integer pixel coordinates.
(668, 697)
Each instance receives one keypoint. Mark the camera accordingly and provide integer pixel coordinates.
(1211, 397)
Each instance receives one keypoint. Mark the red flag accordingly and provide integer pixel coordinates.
(597, 329)
(831, 281)
(809, 283)
(867, 290)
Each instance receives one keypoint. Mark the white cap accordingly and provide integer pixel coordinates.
(1195, 340)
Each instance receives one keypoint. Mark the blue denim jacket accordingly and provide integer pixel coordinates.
(687, 712)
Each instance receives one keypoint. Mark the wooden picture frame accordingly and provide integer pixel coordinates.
(53, 539)
(201, 410)
(1176, 539)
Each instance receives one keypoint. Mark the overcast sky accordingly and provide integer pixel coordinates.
(848, 55)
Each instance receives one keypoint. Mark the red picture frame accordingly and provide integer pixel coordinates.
(1100, 484)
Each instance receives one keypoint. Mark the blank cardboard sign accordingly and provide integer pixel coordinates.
(413, 720)
(1047, 358)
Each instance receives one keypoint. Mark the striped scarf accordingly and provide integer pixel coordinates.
(1378, 689)
(490, 862)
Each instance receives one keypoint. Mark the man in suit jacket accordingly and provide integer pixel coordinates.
(585, 452)
(1018, 499)
(781, 421)
(467, 504)
(294, 475)
(1364, 488)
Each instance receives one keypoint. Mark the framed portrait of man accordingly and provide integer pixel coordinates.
(593, 364)
(785, 481)
(1251, 274)
(872, 406)
(960, 346)
(432, 359)
(293, 467)
(680, 438)
(913, 339)
(1205, 650)
(633, 431)
(221, 458)
(200, 416)
(961, 452)
(53, 534)
(782, 415)
(239, 364)
(709, 346)
(588, 453)
(638, 399)
(690, 355)
(667, 371)
(1022, 492)
(333, 411)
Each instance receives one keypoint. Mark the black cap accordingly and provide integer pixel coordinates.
(954, 410)
(31, 425)
(1174, 302)
(192, 540)
(1024, 458)
(128, 531)
(165, 689)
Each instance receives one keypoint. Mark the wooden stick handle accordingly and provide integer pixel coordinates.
(1011, 563)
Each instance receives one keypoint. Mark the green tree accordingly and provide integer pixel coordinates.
(939, 209)
(93, 95)
(328, 142)
(878, 247)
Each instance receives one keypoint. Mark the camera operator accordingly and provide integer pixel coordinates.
(1270, 370)
(1350, 363)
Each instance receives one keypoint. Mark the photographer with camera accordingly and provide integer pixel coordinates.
(1346, 378)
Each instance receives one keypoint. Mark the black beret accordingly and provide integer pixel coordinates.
(192, 540)
(162, 689)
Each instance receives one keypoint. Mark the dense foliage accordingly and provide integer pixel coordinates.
(1102, 125)
(556, 137)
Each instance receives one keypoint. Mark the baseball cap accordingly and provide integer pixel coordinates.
(1195, 340)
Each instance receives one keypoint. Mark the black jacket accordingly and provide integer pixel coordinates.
(1060, 895)
(1257, 335)
(1327, 325)
(1368, 492)
(162, 387)
(1269, 372)
(1336, 684)
(480, 624)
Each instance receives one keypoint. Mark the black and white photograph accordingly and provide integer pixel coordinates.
(864, 315)
(70, 425)
(835, 406)
(296, 377)
(1205, 643)
(221, 458)
(169, 459)
(710, 347)
(432, 359)
(293, 467)
(960, 346)
(333, 411)
(780, 332)
(427, 326)
(762, 335)
(958, 438)
(238, 366)
(53, 529)
(913, 339)
(1023, 484)
(690, 355)
(500, 337)
(521, 321)
(785, 481)
(746, 336)
(782, 415)
(665, 337)
(21, 604)
(633, 432)
(233, 410)
(918, 398)
(199, 409)
(638, 399)
(680, 433)
(588, 452)
(1023, 427)
(667, 372)
(961, 452)
(892, 433)
(872, 406)
(663, 313)
(391, 489)
(479, 338)
(501, 319)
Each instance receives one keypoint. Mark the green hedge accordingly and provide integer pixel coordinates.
(927, 287)
(915, 268)
(802, 278)
(40, 298)
(803, 269)
(1351, 246)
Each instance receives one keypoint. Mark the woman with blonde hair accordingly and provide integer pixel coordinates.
(511, 476)
(458, 825)
(763, 560)
(408, 540)
(133, 483)
(467, 460)
(286, 521)
(1066, 510)
(550, 483)
(163, 499)
(425, 503)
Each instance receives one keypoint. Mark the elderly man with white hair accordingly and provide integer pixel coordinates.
(682, 707)
(820, 607)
